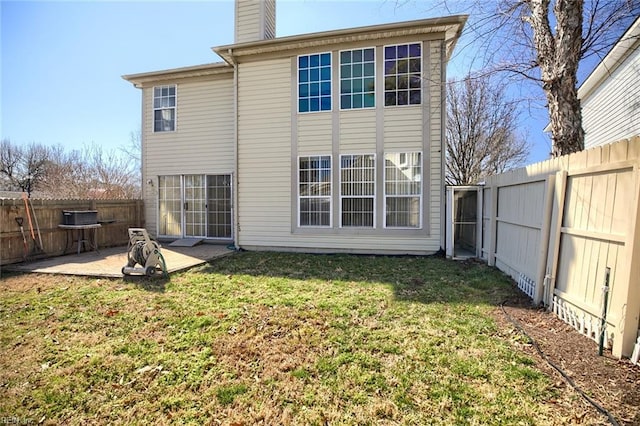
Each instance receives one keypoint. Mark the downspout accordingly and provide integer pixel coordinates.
(143, 189)
(235, 150)
(443, 148)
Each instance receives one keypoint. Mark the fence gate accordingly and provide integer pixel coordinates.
(464, 222)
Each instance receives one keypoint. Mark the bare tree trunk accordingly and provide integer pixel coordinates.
(558, 56)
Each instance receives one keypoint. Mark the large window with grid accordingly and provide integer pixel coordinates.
(164, 108)
(402, 74)
(357, 190)
(314, 82)
(357, 78)
(314, 191)
(403, 189)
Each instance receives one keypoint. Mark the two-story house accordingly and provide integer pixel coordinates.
(327, 142)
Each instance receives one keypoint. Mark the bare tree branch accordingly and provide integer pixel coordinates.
(481, 135)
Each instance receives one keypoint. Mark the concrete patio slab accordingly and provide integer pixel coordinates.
(108, 262)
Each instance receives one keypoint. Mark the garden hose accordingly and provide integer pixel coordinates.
(568, 379)
(165, 273)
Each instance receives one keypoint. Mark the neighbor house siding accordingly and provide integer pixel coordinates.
(203, 142)
(612, 111)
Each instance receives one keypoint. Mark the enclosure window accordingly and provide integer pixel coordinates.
(357, 79)
(402, 74)
(314, 190)
(314, 82)
(164, 108)
(357, 190)
(403, 189)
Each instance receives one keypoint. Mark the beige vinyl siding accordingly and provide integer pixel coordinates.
(435, 134)
(255, 20)
(612, 111)
(269, 19)
(403, 128)
(203, 142)
(247, 21)
(357, 131)
(264, 152)
(314, 134)
(269, 148)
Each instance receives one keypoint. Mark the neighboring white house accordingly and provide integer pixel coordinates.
(610, 96)
(325, 142)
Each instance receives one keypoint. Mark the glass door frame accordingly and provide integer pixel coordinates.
(205, 213)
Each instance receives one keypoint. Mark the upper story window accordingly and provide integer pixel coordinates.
(314, 82)
(164, 108)
(402, 74)
(357, 78)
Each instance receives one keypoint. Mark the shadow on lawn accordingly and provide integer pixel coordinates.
(152, 284)
(425, 279)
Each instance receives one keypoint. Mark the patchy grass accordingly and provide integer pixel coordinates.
(269, 338)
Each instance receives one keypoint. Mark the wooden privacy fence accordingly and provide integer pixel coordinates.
(558, 226)
(117, 216)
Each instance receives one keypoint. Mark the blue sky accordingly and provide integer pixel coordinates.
(62, 62)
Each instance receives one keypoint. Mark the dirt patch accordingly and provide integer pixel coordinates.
(610, 382)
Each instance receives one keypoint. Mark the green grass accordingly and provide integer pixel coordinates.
(272, 338)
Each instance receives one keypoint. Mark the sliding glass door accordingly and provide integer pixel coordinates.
(195, 206)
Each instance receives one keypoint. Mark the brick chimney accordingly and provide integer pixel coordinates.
(255, 20)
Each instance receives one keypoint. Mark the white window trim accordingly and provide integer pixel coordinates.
(330, 196)
(375, 68)
(298, 84)
(373, 196)
(419, 195)
(422, 77)
(175, 110)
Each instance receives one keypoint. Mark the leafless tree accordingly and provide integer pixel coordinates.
(133, 149)
(91, 172)
(112, 174)
(22, 168)
(482, 137)
(543, 41)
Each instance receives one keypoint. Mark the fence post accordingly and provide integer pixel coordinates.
(555, 228)
(544, 238)
(493, 230)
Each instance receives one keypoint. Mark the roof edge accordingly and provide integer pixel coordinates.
(626, 45)
(452, 25)
(214, 68)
